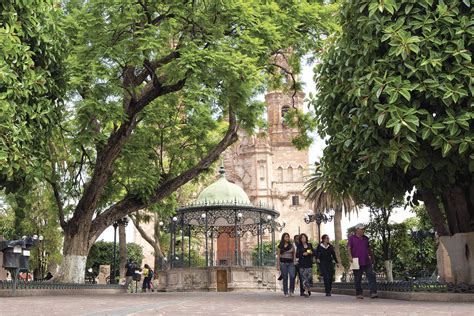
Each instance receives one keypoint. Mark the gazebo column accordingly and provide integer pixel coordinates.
(273, 241)
(189, 245)
(182, 241)
(236, 242)
(205, 232)
(212, 246)
(260, 232)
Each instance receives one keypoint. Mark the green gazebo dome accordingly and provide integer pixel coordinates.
(223, 192)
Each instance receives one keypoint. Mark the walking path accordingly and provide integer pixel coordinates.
(232, 303)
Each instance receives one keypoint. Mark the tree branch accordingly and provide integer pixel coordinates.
(131, 203)
(103, 169)
(59, 203)
(153, 65)
(142, 232)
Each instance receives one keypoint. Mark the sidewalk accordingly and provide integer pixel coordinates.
(231, 303)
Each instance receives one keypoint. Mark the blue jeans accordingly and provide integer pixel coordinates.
(369, 272)
(287, 269)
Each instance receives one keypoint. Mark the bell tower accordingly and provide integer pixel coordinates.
(279, 102)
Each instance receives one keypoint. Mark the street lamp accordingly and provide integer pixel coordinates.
(117, 223)
(28, 242)
(319, 218)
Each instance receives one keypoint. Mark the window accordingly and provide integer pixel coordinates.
(290, 174)
(295, 200)
(262, 172)
(284, 110)
(300, 173)
(280, 174)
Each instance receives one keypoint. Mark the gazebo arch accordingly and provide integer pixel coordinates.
(222, 208)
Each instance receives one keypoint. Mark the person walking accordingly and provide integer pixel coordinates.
(129, 271)
(286, 257)
(304, 254)
(359, 247)
(146, 278)
(326, 258)
(296, 240)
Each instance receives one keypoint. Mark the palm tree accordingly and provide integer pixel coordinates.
(318, 190)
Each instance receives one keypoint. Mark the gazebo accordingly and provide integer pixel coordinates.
(222, 215)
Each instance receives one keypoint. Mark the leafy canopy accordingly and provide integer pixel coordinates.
(395, 100)
(31, 82)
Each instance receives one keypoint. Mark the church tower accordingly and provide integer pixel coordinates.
(267, 165)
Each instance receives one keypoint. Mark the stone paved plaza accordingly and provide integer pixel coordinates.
(205, 303)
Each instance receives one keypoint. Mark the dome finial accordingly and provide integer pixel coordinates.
(222, 171)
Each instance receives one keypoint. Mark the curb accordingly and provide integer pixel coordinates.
(410, 296)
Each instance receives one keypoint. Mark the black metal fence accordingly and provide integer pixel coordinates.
(29, 285)
(409, 286)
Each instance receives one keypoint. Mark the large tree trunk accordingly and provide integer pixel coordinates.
(122, 251)
(435, 213)
(338, 237)
(470, 202)
(457, 210)
(73, 265)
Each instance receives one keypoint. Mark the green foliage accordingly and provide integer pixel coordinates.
(408, 255)
(38, 217)
(151, 89)
(102, 253)
(395, 98)
(268, 256)
(31, 81)
(7, 223)
(344, 256)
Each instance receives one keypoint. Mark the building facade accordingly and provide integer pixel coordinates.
(271, 170)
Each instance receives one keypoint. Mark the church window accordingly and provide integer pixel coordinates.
(300, 172)
(262, 172)
(280, 174)
(290, 173)
(295, 200)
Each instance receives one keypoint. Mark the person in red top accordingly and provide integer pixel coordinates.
(359, 247)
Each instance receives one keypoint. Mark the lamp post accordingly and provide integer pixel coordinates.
(204, 218)
(117, 223)
(174, 219)
(238, 218)
(419, 236)
(319, 218)
(28, 242)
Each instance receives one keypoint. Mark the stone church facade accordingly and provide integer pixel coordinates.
(270, 169)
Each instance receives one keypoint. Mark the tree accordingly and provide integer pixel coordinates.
(156, 91)
(31, 83)
(381, 229)
(395, 106)
(102, 253)
(319, 192)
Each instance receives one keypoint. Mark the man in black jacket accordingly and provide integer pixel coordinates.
(130, 266)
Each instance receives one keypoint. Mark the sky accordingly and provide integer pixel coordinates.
(315, 152)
